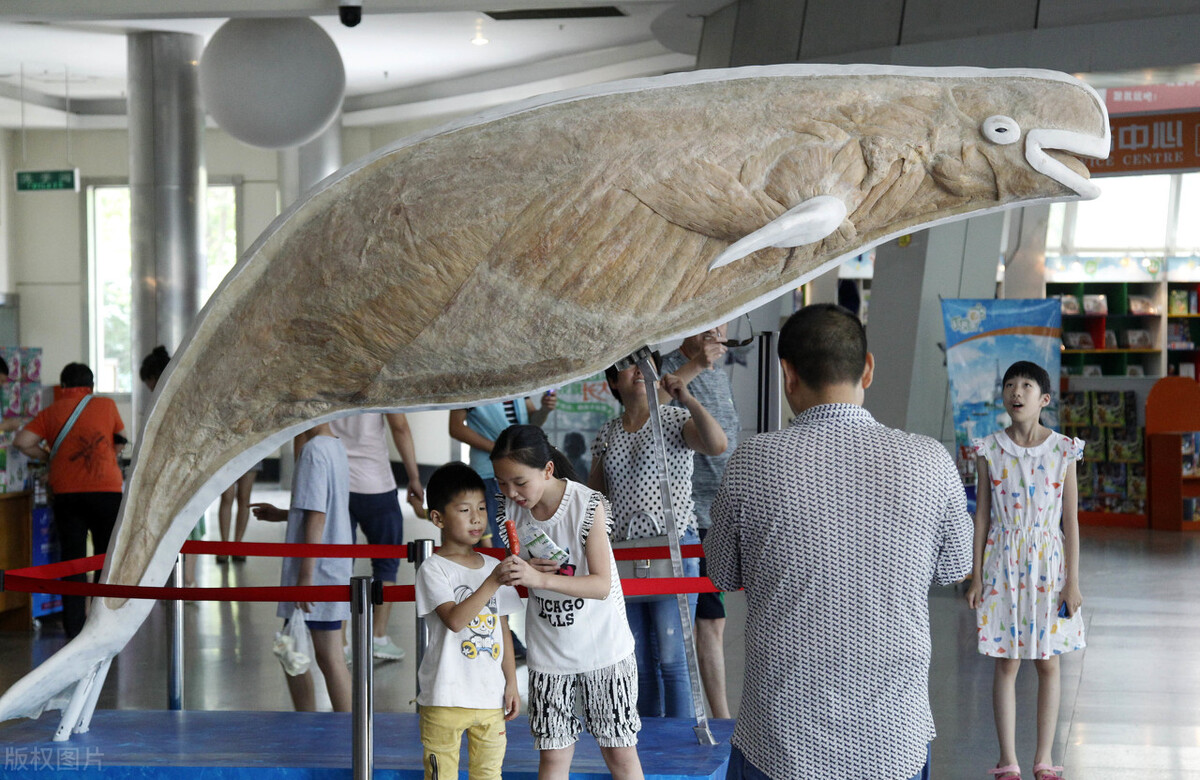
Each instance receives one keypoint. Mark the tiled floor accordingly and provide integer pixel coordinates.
(1130, 702)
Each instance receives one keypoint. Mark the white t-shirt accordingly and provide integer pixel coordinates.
(365, 437)
(566, 634)
(319, 485)
(462, 669)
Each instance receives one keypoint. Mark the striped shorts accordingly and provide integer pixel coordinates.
(609, 706)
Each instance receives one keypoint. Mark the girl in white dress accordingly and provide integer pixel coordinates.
(1025, 584)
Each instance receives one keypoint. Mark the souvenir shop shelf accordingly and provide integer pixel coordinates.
(1112, 475)
(1183, 328)
(1172, 433)
(1112, 328)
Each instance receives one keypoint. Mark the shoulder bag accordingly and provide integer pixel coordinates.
(58, 440)
(62, 435)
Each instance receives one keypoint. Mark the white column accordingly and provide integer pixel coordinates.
(166, 183)
(904, 329)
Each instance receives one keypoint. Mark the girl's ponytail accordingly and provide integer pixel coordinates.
(529, 446)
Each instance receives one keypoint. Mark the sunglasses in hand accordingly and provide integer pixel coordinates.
(734, 343)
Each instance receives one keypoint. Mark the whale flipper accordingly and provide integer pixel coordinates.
(811, 221)
(71, 679)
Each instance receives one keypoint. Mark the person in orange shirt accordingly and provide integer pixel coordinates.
(85, 479)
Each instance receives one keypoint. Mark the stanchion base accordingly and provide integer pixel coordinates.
(236, 745)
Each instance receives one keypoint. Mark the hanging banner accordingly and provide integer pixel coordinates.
(984, 338)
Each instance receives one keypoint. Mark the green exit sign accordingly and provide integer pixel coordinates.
(32, 181)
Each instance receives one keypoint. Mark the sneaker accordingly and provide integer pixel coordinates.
(387, 650)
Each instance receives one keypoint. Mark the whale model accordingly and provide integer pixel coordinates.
(532, 245)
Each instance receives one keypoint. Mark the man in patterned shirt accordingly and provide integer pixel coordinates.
(835, 527)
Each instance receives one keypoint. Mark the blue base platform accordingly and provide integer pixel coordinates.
(313, 746)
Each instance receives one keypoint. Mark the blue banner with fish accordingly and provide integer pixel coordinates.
(983, 338)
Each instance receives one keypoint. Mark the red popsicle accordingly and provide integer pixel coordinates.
(514, 544)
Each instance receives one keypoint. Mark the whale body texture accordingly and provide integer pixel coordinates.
(533, 245)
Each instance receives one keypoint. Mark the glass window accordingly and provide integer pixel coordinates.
(220, 238)
(112, 289)
(1130, 214)
(1187, 234)
(111, 274)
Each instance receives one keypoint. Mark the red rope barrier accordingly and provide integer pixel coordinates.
(52, 571)
(283, 550)
(36, 579)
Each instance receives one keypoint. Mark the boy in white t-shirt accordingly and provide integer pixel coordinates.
(467, 678)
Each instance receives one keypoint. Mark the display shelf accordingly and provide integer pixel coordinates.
(1183, 299)
(1118, 321)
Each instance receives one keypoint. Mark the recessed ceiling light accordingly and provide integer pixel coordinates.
(479, 40)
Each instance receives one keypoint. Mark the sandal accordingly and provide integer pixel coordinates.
(1010, 772)
(1047, 772)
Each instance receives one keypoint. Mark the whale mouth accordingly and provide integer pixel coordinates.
(1064, 166)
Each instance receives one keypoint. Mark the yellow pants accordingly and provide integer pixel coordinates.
(441, 738)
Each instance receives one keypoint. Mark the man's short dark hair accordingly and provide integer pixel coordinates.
(76, 375)
(449, 482)
(825, 344)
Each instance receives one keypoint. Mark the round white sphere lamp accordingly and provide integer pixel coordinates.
(273, 83)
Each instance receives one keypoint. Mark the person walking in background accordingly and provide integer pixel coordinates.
(575, 447)
(374, 503)
(1025, 580)
(478, 428)
(697, 363)
(240, 492)
(80, 435)
(319, 514)
(836, 526)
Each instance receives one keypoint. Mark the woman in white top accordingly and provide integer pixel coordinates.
(626, 461)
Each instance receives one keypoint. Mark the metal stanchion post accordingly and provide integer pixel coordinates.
(770, 382)
(175, 642)
(418, 551)
(363, 697)
(650, 373)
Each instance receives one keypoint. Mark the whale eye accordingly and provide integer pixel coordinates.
(1001, 129)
